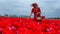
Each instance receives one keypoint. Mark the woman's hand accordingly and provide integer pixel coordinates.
(38, 13)
(29, 17)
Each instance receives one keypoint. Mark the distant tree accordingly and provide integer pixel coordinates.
(6, 15)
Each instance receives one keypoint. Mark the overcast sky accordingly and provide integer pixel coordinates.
(49, 8)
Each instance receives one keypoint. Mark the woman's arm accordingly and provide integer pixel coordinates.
(30, 14)
(39, 11)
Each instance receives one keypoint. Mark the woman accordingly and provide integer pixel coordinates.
(36, 11)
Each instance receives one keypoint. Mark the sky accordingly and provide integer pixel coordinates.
(49, 8)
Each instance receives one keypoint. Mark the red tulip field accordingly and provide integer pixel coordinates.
(29, 26)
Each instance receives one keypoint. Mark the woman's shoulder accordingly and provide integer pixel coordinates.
(32, 8)
(38, 7)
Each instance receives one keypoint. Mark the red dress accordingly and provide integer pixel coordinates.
(35, 11)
